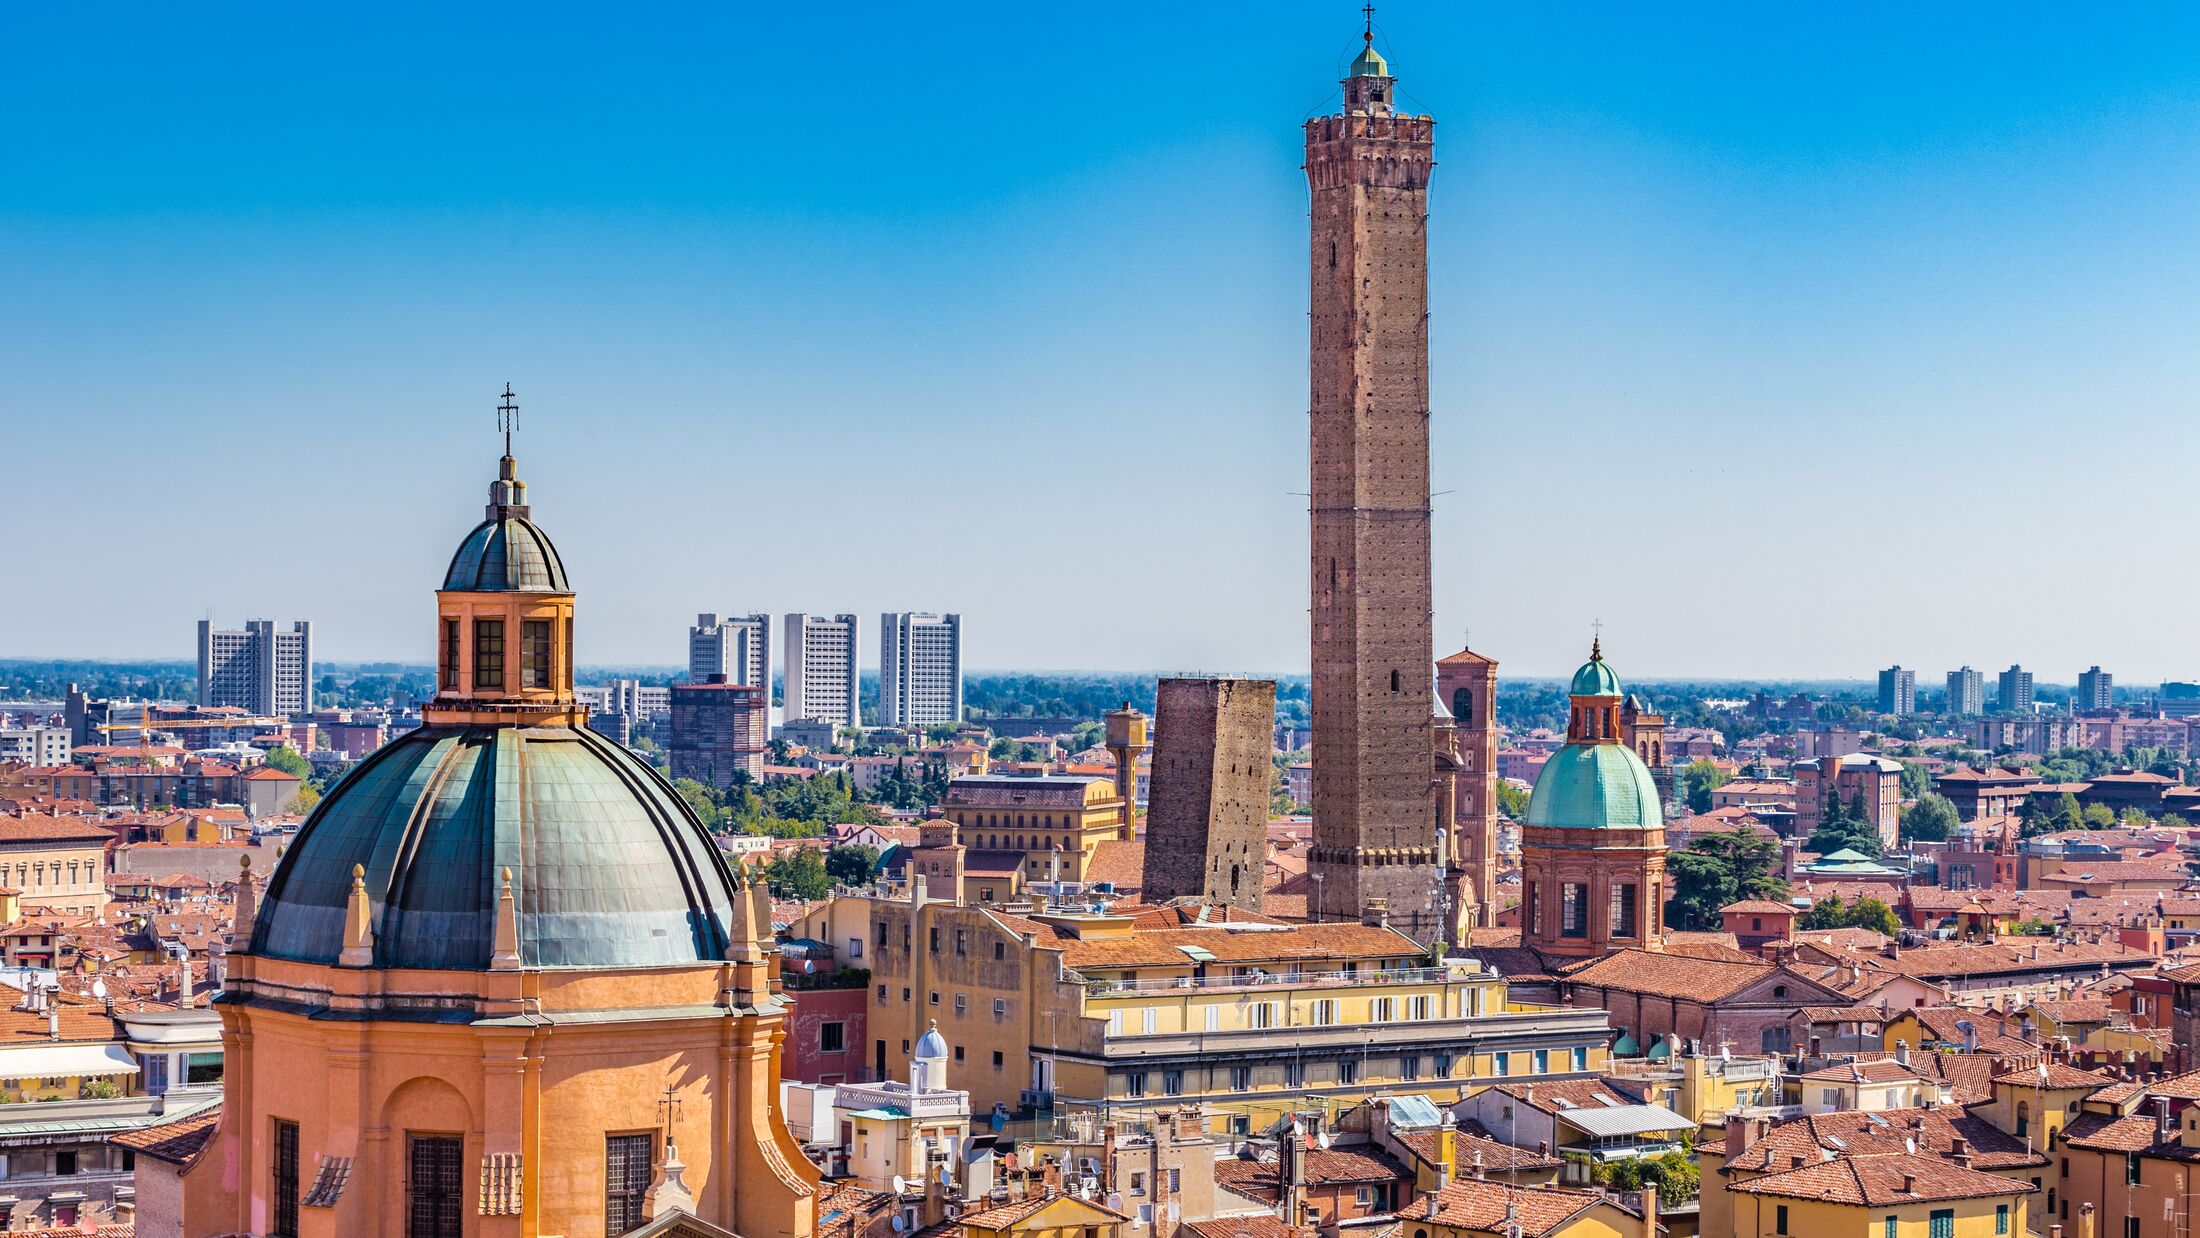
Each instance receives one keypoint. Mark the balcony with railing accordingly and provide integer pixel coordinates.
(1103, 986)
(1521, 1026)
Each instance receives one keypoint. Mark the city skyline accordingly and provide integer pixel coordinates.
(1622, 255)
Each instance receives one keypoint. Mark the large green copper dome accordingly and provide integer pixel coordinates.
(609, 868)
(1594, 787)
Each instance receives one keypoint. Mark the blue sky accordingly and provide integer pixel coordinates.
(1785, 340)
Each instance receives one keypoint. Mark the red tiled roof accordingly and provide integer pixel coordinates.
(1882, 1181)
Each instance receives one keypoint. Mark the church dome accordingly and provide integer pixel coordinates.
(1594, 678)
(1594, 787)
(1369, 63)
(506, 555)
(609, 868)
(932, 1044)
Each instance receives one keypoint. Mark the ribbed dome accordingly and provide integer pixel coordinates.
(1369, 63)
(508, 555)
(1593, 787)
(1594, 679)
(609, 868)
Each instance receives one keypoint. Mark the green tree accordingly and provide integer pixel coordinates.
(1870, 913)
(1827, 913)
(1843, 826)
(2135, 818)
(798, 874)
(702, 801)
(302, 803)
(287, 760)
(2099, 817)
(1717, 869)
(1512, 802)
(1703, 778)
(852, 865)
(1931, 819)
(1917, 781)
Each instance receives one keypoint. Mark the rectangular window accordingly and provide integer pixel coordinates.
(2001, 1218)
(1000, 1008)
(488, 653)
(962, 1003)
(1581, 1059)
(155, 1067)
(1543, 1061)
(1623, 909)
(1419, 1007)
(1941, 1223)
(1241, 1078)
(1573, 909)
(286, 1180)
(961, 941)
(1294, 1075)
(534, 653)
(1501, 1064)
(1135, 1083)
(1889, 1229)
(1348, 1072)
(434, 1200)
(1780, 1219)
(1443, 1065)
(998, 1061)
(627, 1163)
(1264, 1014)
(202, 1067)
(1115, 1023)
(832, 1038)
(1149, 1021)
(1214, 1018)
(1172, 1083)
(1325, 1012)
(1381, 1010)
(2131, 1227)
(450, 655)
(1000, 949)
(1409, 1067)
(2131, 1168)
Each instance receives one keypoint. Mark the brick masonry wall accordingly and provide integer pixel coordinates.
(1207, 808)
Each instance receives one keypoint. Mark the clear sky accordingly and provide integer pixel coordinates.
(1785, 339)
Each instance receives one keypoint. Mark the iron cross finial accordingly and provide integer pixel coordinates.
(1369, 11)
(507, 417)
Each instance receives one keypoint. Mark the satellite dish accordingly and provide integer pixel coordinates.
(901, 1187)
(1321, 1140)
(946, 1178)
(99, 989)
(900, 1226)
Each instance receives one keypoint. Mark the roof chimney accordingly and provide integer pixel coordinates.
(1909, 1184)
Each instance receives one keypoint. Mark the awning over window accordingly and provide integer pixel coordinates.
(62, 1061)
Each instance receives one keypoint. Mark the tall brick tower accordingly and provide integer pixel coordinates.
(1374, 762)
(1466, 683)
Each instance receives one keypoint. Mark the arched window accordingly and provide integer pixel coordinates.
(1462, 706)
(2024, 1118)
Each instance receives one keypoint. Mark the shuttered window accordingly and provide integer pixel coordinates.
(626, 1183)
(286, 1180)
(488, 653)
(434, 1203)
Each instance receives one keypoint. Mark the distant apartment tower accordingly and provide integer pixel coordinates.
(820, 652)
(2096, 690)
(737, 646)
(920, 669)
(34, 745)
(1898, 691)
(1207, 814)
(258, 669)
(2016, 691)
(719, 730)
(1966, 693)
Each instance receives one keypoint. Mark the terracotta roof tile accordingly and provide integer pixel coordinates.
(1882, 1181)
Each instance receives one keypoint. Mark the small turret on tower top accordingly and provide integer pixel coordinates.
(1368, 87)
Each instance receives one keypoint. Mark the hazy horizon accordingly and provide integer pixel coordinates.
(1788, 343)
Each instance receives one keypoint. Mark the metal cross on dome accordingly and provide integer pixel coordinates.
(1369, 10)
(507, 417)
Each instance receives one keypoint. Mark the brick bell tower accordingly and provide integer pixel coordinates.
(1375, 789)
(1466, 683)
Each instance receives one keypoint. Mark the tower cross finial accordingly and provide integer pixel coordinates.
(1369, 12)
(507, 417)
(1596, 642)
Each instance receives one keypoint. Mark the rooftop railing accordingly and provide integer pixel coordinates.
(1101, 986)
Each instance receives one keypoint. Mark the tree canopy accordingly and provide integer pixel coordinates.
(799, 873)
(1845, 826)
(1865, 913)
(1931, 819)
(1717, 869)
(853, 864)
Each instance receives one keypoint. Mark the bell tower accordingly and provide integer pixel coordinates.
(1375, 778)
(1466, 685)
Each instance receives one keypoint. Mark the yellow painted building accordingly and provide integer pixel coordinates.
(1250, 1016)
(1895, 1195)
(1485, 1208)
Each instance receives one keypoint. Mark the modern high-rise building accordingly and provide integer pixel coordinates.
(258, 669)
(2015, 696)
(920, 668)
(34, 745)
(737, 646)
(820, 653)
(1898, 691)
(1966, 693)
(2096, 690)
(1207, 820)
(1367, 172)
(719, 731)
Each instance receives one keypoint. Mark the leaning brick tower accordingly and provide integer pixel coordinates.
(1367, 168)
